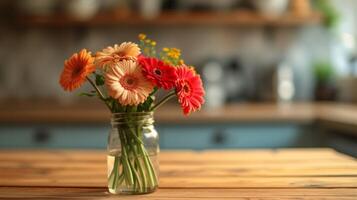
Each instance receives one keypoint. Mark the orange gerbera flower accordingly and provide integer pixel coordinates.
(76, 69)
(112, 55)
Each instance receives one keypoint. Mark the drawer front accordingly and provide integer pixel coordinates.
(54, 137)
(19, 137)
(185, 137)
(231, 136)
(79, 137)
(263, 136)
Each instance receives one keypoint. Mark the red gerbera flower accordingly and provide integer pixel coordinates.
(160, 74)
(189, 89)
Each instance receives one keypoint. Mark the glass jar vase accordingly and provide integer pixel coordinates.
(133, 149)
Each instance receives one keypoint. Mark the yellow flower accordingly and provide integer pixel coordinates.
(165, 49)
(181, 62)
(142, 36)
(173, 53)
(176, 50)
(193, 69)
(166, 61)
(153, 43)
(148, 41)
(146, 50)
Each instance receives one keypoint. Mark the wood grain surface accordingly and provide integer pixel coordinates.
(244, 174)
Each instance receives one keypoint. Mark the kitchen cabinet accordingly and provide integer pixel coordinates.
(239, 136)
(194, 136)
(84, 136)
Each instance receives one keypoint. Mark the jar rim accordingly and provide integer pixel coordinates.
(132, 113)
(133, 117)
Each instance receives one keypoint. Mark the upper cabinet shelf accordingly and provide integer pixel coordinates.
(296, 13)
(172, 18)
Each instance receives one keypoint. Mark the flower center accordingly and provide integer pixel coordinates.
(119, 56)
(186, 89)
(129, 82)
(76, 72)
(157, 72)
(121, 53)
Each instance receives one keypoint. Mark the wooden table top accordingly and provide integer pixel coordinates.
(243, 174)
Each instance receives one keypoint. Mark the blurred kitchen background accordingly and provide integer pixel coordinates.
(277, 73)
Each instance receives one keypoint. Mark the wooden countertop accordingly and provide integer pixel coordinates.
(31, 112)
(244, 174)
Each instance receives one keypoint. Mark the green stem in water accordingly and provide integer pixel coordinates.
(125, 160)
(101, 96)
(148, 165)
(139, 164)
(132, 168)
(164, 100)
(147, 162)
(114, 174)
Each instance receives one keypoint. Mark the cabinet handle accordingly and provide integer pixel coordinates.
(41, 136)
(219, 137)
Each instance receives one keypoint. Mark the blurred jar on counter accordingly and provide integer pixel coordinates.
(285, 83)
(82, 9)
(150, 8)
(271, 7)
(212, 74)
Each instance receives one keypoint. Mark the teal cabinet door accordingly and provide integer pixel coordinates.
(263, 136)
(54, 137)
(16, 137)
(236, 136)
(185, 137)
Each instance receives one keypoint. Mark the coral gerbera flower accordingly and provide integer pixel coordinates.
(76, 69)
(112, 55)
(126, 83)
(189, 89)
(160, 74)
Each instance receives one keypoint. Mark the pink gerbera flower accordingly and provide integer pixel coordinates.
(126, 83)
(189, 89)
(112, 55)
(160, 74)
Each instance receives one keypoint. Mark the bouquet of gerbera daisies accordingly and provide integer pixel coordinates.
(126, 78)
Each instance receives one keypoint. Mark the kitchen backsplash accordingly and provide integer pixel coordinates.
(31, 59)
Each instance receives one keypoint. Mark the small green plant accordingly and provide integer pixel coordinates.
(323, 72)
(331, 15)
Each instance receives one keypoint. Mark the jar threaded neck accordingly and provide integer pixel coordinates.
(132, 118)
